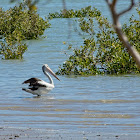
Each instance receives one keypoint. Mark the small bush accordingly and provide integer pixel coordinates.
(18, 24)
(12, 51)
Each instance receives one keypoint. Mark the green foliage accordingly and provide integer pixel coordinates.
(75, 13)
(102, 52)
(18, 24)
(12, 51)
(82, 61)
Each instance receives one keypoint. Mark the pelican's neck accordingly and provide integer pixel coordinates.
(49, 77)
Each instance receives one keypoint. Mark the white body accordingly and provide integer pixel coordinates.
(39, 87)
(41, 90)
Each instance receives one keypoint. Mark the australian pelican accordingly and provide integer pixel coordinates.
(39, 87)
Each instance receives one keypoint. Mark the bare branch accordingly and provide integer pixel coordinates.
(35, 2)
(108, 2)
(114, 3)
(64, 4)
(128, 9)
(131, 49)
(111, 5)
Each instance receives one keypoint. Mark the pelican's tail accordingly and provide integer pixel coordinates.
(27, 90)
(30, 91)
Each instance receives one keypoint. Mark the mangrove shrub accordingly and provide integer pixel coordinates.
(18, 24)
(13, 51)
(102, 52)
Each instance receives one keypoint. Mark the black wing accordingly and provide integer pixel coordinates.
(34, 82)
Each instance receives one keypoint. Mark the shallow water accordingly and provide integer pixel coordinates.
(94, 103)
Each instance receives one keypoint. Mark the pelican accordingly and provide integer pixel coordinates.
(39, 87)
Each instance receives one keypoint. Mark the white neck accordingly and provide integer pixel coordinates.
(49, 77)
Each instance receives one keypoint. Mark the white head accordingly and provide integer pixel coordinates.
(46, 68)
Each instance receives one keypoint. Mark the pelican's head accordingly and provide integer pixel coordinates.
(46, 68)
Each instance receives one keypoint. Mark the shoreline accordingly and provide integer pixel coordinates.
(43, 134)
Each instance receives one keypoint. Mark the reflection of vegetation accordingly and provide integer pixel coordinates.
(102, 52)
(18, 24)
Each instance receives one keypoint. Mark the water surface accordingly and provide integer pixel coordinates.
(95, 103)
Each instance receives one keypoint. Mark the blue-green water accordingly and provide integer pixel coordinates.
(95, 103)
